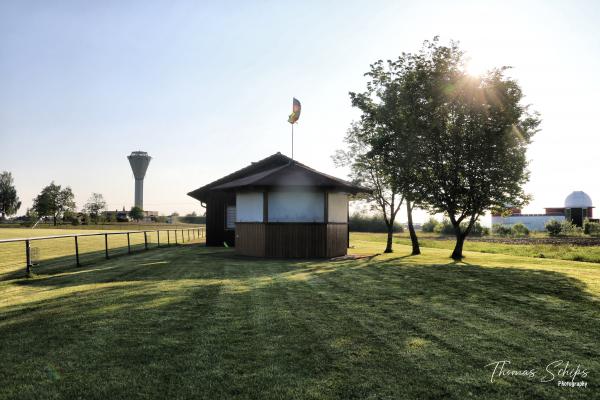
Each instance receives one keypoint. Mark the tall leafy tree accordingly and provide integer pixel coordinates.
(54, 201)
(369, 170)
(388, 109)
(94, 206)
(9, 201)
(474, 132)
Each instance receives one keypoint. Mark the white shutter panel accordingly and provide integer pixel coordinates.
(230, 220)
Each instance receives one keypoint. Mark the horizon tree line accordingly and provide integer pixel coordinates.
(58, 203)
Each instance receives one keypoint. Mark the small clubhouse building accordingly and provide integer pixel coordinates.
(278, 207)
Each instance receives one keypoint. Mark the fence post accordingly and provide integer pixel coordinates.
(175, 236)
(106, 245)
(168, 238)
(145, 241)
(158, 238)
(128, 244)
(188, 235)
(77, 252)
(28, 257)
(182, 237)
(194, 234)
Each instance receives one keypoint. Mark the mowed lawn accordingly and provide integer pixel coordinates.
(197, 322)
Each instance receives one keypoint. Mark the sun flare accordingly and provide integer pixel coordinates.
(476, 67)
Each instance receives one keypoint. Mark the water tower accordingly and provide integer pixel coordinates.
(139, 161)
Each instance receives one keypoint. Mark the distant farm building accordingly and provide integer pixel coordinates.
(278, 207)
(123, 216)
(578, 206)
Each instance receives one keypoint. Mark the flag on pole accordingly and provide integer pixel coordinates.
(296, 107)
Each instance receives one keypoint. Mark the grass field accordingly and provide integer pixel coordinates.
(197, 322)
(560, 252)
(61, 251)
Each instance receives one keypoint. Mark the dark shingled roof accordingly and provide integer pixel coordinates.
(277, 170)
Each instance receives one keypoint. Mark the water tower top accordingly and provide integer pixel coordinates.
(139, 161)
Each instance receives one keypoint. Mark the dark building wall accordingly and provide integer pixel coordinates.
(296, 240)
(216, 206)
(291, 240)
(250, 239)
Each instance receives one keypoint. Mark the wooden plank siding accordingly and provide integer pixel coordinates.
(296, 240)
(337, 239)
(250, 239)
(291, 240)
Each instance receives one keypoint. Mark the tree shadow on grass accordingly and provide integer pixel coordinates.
(209, 326)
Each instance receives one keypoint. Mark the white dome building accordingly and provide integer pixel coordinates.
(578, 199)
(578, 207)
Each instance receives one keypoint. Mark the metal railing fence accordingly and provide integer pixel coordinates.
(32, 254)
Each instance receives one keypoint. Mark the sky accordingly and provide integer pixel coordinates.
(206, 87)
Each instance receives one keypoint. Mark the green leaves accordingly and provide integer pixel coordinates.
(452, 142)
(9, 201)
(54, 201)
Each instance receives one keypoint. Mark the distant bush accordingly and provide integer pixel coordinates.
(567, 228)
(429, 225)
(370, 223)
(553, 227)
(563, 228)
(477, 229)
(591, 228)
(519, 230)
(501, 230)
(444, 228)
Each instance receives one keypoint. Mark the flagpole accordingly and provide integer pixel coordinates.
(292, 142)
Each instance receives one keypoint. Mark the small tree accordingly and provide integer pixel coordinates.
(388, 108)
(136, 213)
(53, 201)
(9, 201)
(94, 206)
(368, 170)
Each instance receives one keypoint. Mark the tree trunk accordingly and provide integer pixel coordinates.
(411, 229)
(54, 219)
(460, 240)
(390, 236)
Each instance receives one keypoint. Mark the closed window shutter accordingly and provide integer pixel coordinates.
(230, 217)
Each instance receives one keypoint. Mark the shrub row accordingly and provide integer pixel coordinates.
(563, 228)
(516, 230)
(370, 223)
(445, 227)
